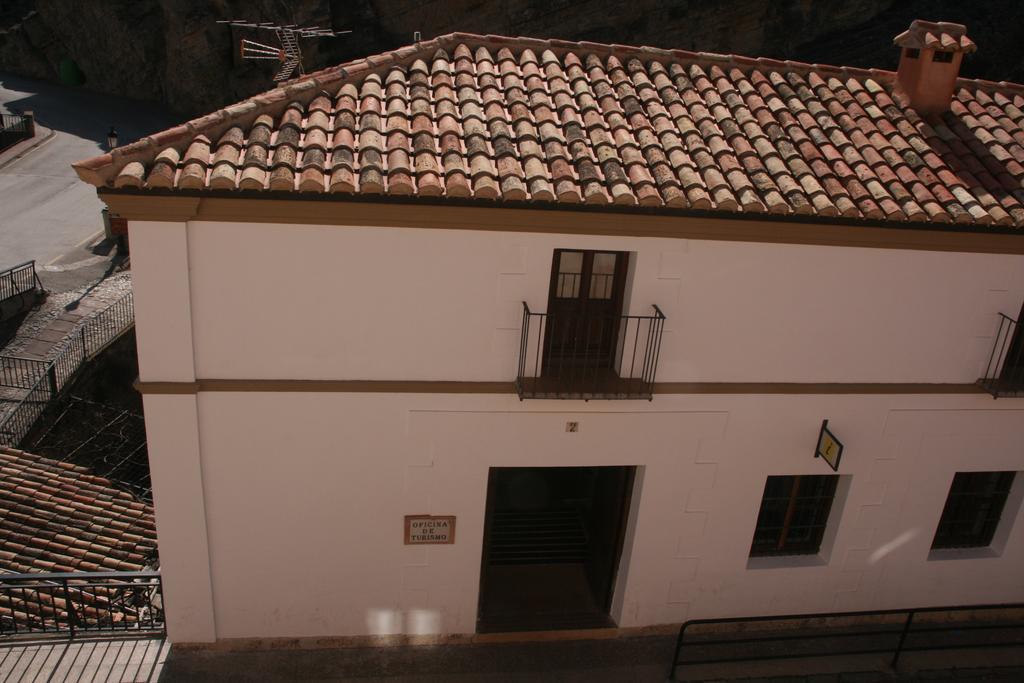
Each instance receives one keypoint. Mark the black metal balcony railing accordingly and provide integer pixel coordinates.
(1004, 374)
(582, 356)
(72, 603)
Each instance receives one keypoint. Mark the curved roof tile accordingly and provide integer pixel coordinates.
(513, 119)
(59, 517)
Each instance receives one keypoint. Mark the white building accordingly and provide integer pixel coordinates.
(330, 282)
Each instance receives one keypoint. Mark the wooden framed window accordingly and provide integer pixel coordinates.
(794, 514)
(973, 509)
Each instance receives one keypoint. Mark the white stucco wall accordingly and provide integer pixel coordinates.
(306, 493)
(311, 302)
(280, 514)
(163, 310)
(163, 320)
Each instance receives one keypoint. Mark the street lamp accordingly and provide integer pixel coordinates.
(112, 138)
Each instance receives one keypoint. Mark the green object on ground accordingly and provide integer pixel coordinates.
(69, 72)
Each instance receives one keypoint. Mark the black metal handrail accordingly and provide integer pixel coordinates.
(894, 632)
(19, 421)
(18, 280)
(586, 356)
(1004, 373)
(21, 373)
(76, 602)
(94, 335)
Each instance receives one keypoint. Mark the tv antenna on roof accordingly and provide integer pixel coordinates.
(287, 50)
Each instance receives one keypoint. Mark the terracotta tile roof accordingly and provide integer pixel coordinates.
(58, 517)
(547, 121)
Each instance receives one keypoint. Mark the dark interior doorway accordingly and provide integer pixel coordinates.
(552, 542)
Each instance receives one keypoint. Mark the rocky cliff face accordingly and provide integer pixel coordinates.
(997, 26)
(172, 51)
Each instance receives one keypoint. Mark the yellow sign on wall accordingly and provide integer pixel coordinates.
(830, 449)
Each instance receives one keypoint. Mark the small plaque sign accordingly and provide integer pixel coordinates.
(829, 449)
(429, 529)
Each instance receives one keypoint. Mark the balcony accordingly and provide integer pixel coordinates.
(586, 356)
(1004, 374)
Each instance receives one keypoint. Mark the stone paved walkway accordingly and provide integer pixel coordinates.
(82, 661)
(47, 328)
(619, 660)
(613, 660)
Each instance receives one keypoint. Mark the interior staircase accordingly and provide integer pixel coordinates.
(537, 537)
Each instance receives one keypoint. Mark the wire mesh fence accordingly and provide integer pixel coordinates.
(108, 439)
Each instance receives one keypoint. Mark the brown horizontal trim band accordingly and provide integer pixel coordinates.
(813, 388)
(357, 386)
(325, 386)
(166, 387)
(441, 387)
(452, 214)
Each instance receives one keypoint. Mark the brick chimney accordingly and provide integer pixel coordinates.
(930, 63)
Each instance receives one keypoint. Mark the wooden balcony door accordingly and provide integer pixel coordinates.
(584, 309)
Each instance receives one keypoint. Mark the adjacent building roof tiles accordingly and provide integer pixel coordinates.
(58, 517)
(502, 120)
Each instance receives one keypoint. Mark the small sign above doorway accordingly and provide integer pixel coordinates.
(429, 529)
(829, 448)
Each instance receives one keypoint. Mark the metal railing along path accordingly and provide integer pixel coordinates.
(95, 334)
(835, 634)
(586, 356)
(21, 373)
(18, 280)
(15, 127)
(81, 602)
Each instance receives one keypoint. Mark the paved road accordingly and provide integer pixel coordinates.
(47, 211)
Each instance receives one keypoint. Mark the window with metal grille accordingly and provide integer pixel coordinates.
(939, 56)
(794, 514)
(973, 508)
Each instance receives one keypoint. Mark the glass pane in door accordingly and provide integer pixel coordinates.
(602, 275)
(570, 271)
